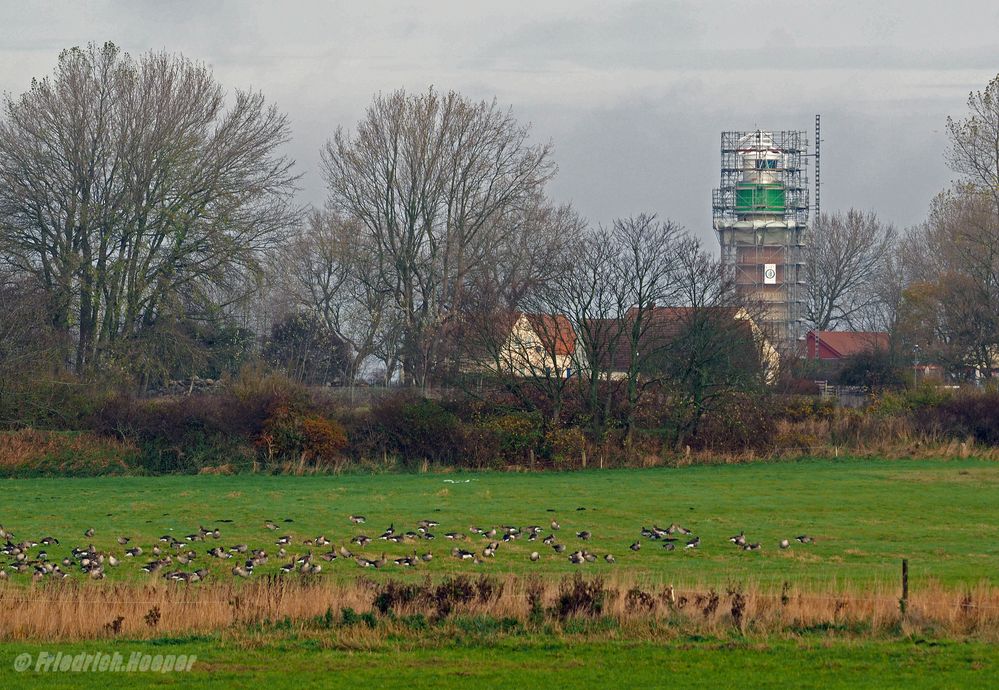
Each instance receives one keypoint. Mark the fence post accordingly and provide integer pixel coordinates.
(584, 458)
(903, 603)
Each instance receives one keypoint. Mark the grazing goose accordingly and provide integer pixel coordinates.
(677, 529)
(535, 556)
(427, 557)
(785, 544)
(240, 571)
(358, 519)
(693, 543)
(584, 535)
(457, 536)
(549, 540)
(636, 546)
(89, 533)
(610, 558)
(462, 554)
(670, 546)
(288, 567)
(576, 557)
(239, 548)
(284, 541)
(805, 539)
(752, 547)
(361, 540)
(329, 556)
(427, 524)
(48, 541)
(406, 561)
(137, 551)
(345, 553)
(387, 534)
(559, 548)
(381, 562)
(590, 558)
(322, 540)
(365, 562)
(555, 525)
(270, 525)
(123, 540)
(739, 539)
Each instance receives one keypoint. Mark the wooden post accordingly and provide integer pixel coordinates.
(584, 458)
(904, 601)
(530, 455)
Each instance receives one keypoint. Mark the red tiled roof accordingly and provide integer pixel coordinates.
(848, 343)
(554, 330)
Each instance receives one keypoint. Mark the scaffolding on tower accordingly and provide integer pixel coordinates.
(760, 211)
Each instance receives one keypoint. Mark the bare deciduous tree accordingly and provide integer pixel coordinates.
(128, 188)
(845, 257)
(433, 180)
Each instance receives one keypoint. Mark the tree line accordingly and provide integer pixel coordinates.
(149, 230)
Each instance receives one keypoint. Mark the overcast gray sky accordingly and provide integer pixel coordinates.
(633, 95)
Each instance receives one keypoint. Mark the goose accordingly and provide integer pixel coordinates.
(739, 539)
(457, 536)
(358, 519)
(805, 539)
(675, 528)
(610, 558)
(406, 561)
(476, 530)
(239, 548)
(123, 540)
(584, 535)
(379, 563)
(535, 556)
(361, 540)
(752, 547)
(157, 550)
(270, 525)
(785, 544)
(288, 567)
(137, 551)
(304, 559)
(427, 557)
(428, 536)
(549, 540)
(636, 546)
(322, 540)
(590, 558)
(240, 571)
(365, 562)
(555, 525)
(330, 556)
(312, 568)
(559, 548)
(89, 533)
(197, 536)
(669, 546)
(387, 534)
(532, 536)
(112, 561)
(462, 554)
(48, 541)
(284, 540)
(576, 557)
(427, 524)
(693, 543)
(281, 553)
(345, 553)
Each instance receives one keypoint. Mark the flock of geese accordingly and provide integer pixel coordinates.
(175, 559)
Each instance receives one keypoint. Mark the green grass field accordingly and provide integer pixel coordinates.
(865, 515)
(535, 661)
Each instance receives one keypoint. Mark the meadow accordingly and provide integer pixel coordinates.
(818, 614)
(864, 515)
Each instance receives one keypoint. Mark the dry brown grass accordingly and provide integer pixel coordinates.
(24, 448)
(75, 611)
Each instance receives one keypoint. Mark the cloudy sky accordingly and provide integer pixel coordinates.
(633, 95)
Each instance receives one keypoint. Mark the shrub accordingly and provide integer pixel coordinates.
(566, 445)
(419, 429)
